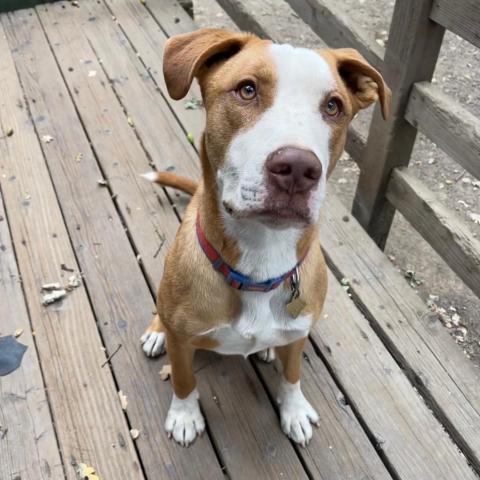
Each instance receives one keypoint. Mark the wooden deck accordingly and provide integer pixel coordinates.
(397, 398)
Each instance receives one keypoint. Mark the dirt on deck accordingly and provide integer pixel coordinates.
(456, 305)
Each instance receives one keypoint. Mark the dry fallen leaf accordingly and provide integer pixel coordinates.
(165, 372)
(134, 433)
(53, 296)
(18, 332)
(475, 217)
(85, 472)
(192, 104)
(74, 281)
(48, 287)
(123, 400)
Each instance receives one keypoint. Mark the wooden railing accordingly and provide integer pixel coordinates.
(460, 16)
(407, 63)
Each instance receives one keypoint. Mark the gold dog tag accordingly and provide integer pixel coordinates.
(295, 307)
(296, 304)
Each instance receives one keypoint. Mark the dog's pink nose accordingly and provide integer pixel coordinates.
(293, 170)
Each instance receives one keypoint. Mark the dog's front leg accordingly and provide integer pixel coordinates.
(184, 418)
(296, 413)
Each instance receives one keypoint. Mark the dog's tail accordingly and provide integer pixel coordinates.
(167, 179)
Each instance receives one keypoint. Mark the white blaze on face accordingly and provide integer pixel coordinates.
(303, 80)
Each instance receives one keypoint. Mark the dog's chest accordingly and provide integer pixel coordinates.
(262, 323)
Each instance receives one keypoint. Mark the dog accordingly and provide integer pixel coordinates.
(246, 273)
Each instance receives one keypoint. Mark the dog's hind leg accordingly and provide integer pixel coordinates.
(267, 355)
(296, 413)
(153, 340)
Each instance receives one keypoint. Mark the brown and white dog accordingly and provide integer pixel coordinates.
(276, 125)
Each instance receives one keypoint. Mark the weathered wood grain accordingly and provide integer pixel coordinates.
(406, 431)
(149, 40)
(83, 396)
(242, 421)
(168, 147)
(166, 13)
(460, 16)
(28, 445)
(339, 447)
(413, 334)
(143, 207)
(337, 28)
(438, 225)
(412, 51)
(118, 290)
(453, 128)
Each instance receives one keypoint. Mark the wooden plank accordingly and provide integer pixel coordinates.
(131, 81)
(117, 287)
(28, 445)
(413, 443)
(438, 225)
(149, 40)
(411, 55)
(339, 447)
(413, 334)
(453, 128)
(241, 418)
(337, 28)
(143, 208)
(460, 16)
(84, 400)
(229, 431)
(167, 14)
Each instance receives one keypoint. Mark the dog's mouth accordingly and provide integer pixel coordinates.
(274, 214)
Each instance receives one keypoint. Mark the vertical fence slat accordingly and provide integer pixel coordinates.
(411, 55)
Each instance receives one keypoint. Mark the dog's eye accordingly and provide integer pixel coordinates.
(247, 91)
(333, 107)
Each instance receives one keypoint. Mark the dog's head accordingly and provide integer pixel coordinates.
(277, 117)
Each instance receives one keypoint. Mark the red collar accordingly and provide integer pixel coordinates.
(236, 279)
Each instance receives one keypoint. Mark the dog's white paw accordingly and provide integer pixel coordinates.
(184, 419)
(267, 355)
(153, 343)
(296, 413)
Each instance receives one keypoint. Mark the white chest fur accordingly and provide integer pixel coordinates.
(262, 323)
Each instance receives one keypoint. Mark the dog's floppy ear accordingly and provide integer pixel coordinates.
(186, 54)
(364, 83)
